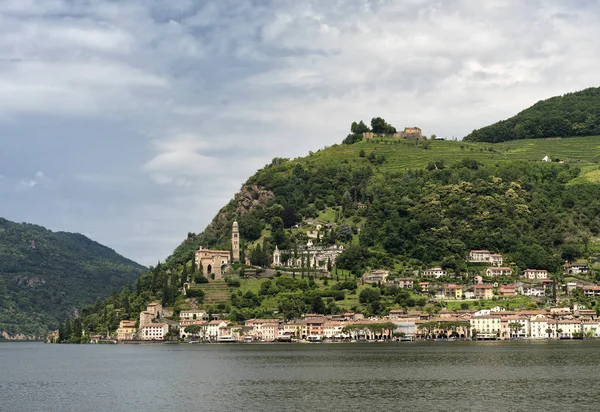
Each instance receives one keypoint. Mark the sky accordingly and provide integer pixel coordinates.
(134, 121)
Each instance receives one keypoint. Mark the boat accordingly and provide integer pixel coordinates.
(314, 338)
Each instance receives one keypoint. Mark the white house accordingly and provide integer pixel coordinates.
(575, 269)
(154, 331)
(498, 271)
(591, 327)
(479, 256)
(484, 256)
(537, 327)
(434, 272)
(193, 314)
(534, 291)
(567, 327)
(377, 275)
(535, 274)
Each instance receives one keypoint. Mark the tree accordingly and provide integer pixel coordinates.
(276, 223)
(344, 233)
(195, 293)
(359, 128)
(250, 226)
(317, 305)
(379, 125)
(515, 327)
(368, 296)
(258, 256)
(193, 330)
(289, 216)
(184, 275)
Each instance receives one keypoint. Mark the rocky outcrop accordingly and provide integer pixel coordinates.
(31, 282)
(251, 197)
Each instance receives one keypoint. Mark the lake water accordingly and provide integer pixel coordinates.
(467, 376)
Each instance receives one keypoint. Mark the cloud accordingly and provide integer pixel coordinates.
(149, 115)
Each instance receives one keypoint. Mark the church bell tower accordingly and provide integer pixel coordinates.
(235, 242)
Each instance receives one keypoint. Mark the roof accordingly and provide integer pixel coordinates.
(591, 287)
(483, 286)
(480, 251)
(499, 268)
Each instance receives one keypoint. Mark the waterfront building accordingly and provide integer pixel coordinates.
(486, 326)
(193, 314)
(126, 330)
(154, 331)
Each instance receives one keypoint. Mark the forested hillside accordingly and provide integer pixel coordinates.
(395, 205)
(574, 114)
(45, 276)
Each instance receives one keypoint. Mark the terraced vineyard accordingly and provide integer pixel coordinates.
(216, 292)
(401, 155)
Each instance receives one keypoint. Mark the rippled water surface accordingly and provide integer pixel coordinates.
(467, 376)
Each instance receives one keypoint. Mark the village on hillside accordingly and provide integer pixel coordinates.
(495, 281)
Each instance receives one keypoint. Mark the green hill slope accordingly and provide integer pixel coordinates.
(45, 276)
(304, 187)
(574, 114)
(394, 205)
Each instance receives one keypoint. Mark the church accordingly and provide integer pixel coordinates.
(217, 262)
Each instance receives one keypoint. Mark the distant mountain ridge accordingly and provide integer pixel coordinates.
(574, 114)
(45, 276)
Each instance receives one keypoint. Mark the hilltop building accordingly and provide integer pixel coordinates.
(216, 262)
(212, 261)
(409, 133)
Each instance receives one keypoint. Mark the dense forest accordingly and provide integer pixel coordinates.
(45, 276)
(424, 216)
(574, 114)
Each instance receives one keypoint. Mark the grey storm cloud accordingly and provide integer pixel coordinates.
(133, 122)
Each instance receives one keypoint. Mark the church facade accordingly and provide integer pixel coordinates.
(217, 262)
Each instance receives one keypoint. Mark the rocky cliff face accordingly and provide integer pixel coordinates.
(247, 199)
(251, 197)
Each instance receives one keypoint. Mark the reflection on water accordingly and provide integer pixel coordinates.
(469, 376)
